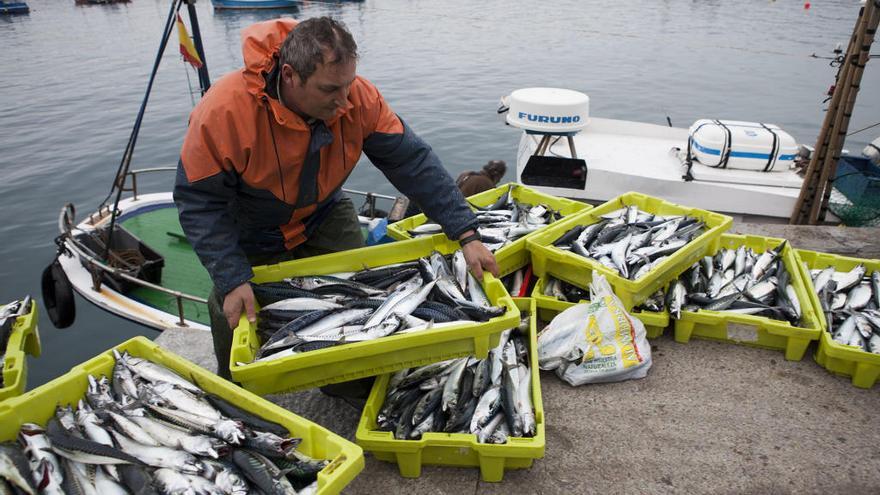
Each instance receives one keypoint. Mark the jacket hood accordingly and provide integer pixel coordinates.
(260, 44)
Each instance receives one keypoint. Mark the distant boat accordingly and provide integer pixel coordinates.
(254, 4)
(13, 8)
(99, 2)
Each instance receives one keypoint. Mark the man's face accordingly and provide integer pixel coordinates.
(323, 93)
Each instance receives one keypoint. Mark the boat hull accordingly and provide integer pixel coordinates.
(110, 300)
(628, 156)
(253, 4)
(14, 8)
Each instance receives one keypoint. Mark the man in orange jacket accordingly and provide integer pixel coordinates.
(268, 149)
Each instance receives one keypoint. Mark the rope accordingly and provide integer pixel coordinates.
(119, 180)
(864, 129)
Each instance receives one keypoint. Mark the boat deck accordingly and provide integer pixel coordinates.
(161, 230)
(626, 156)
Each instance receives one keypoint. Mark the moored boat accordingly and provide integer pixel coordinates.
(14, 7)
(596, 159)
(253, 4)
(151, 275)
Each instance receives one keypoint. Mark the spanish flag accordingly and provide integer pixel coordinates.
(186, 45)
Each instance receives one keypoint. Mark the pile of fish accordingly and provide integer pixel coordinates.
(738, 281)
(315, 312)
(502, 222)
(147, 430)
(8, 315)
(851, 302)
(567, 292)
(490, 398)
(630, 241)
(564, 291)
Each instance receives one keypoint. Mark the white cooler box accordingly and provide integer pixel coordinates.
(741, 145)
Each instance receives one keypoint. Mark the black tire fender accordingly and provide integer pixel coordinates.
(58, 296)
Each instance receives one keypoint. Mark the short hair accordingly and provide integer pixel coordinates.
(305, 45)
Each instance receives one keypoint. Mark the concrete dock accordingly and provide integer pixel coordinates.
(710, 417)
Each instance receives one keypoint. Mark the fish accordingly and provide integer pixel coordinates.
(502, 223)
(849, 279)
(438, 290)
(459, 396)
(629, 241)
(14, 468)
(849, 305)
(171, 438)
(451, 388)
(740, 281)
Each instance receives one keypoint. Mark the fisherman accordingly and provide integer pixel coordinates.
(267, 150)
(476, 181)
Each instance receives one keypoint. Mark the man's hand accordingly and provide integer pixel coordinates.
(239, 299)
(478, 257)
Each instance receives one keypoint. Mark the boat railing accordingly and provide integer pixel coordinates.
(369, 205)
(134, 175)
(97, 267)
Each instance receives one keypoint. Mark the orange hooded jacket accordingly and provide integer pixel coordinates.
(254, 175)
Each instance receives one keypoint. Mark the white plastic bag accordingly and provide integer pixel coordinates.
(595, 342)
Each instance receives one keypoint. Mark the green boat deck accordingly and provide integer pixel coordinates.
(160, 229)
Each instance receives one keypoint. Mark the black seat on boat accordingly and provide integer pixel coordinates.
(553, 171)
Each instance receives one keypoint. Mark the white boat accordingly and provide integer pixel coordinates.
(620, 156)
(163, 285)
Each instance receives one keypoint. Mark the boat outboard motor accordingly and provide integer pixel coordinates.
(550, 113)
(872, 151)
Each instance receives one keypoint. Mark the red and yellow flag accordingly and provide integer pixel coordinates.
(186, 45)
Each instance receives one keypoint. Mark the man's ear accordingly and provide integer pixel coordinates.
(290, 76)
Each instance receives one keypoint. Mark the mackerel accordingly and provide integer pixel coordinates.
(158, 457)
(451, 388)
(14, 468)
(155, 373)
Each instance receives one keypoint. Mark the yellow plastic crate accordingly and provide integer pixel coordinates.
(456, 449)
(362, 359)
(756, 331)
(575, 269)
(38, 406)
(863, 367)
(548, 307)
(25, 338)
(516, 251)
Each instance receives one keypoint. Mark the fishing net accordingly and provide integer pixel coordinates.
(855, 197)
(861, 211)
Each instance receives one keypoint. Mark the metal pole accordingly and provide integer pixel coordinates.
(830, 169)
(129, 150)
(204, 79)
(571, 147)
(800, 214)
(180, 311)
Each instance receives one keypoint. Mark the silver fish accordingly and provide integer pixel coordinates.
(849, 279)
(858, 297)
(159, 457)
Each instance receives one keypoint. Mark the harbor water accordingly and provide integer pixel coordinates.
(73, 76)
